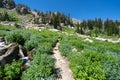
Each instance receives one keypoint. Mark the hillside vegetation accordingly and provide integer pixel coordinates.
(42, 64)
(89, 58)
(91, 61)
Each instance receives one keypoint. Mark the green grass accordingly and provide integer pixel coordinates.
(91, 63)
(7, 28)
(42, 66)
(88, 61)
(4, 30)
(69, 30)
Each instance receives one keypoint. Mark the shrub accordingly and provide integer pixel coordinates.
(11, 71)
(7, 28)
(65, 49)
(90, 61)
(8, 16)
(44, 48)
(42, 68)
(16, 37)
(1, 72)
(33, 42)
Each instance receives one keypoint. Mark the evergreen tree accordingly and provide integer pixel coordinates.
(99, 24)
(91, 24)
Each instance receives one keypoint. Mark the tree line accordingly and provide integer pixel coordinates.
(53, 18)
(98, 26)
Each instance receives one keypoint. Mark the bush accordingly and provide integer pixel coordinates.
(16, 37)
(33, 42)
(112, 69)
(90, 61)
(1, 72)
(11, 71)
(42, 65)
(7, 28)
(65, 49)
(42, 68)
(44, 48)
(88, 66)
(8, 16)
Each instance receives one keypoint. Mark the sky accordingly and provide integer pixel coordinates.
(79, 9)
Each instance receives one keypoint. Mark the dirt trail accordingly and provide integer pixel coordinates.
(62, 64)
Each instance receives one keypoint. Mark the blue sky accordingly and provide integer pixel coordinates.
(80, 9)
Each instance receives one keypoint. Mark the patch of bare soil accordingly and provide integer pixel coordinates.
(62, 65)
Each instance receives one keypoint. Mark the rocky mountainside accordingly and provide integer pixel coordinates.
(76, 21)
(23, 16)
(9, 4)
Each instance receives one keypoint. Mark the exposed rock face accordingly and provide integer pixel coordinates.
(22, 9)
(9, 4)
(75, 21)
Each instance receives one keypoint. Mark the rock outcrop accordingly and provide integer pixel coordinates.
(30, 54)
(10, 54)
(8, 4)
(7, 23)
(2, 39)
(76, 21)
(22, 9)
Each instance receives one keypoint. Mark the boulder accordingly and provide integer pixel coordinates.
(10, 55)
(4, 48)
(2, 45)
(18, 25)
(25, 64)
(22, 51)
(15, 52)
(30, 54)
(2, 39)
(88, 40)
(2, 51)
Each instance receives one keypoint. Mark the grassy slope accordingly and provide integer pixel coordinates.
(42, 66)
(88, 63)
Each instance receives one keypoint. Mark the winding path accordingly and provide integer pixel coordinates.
(62, 65)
